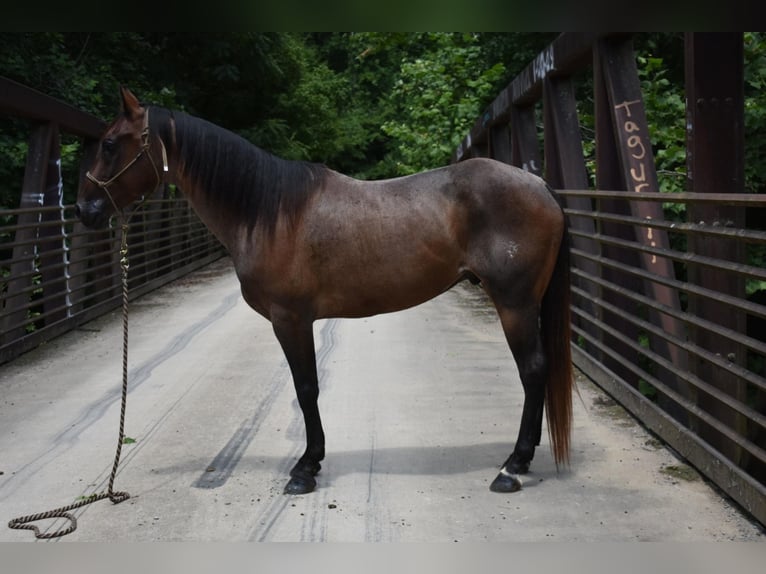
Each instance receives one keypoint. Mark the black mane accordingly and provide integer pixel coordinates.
(244, 180)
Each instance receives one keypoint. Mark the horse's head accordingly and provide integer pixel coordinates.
(124, 168)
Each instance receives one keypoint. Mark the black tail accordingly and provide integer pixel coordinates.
(555, 320)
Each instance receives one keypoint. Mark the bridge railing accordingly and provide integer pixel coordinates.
(663, 318)
(54, 273)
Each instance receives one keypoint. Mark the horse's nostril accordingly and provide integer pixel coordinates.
(77, 210)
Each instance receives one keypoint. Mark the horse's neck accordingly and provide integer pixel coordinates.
(207, 209)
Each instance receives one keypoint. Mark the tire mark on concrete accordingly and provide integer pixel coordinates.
(267, 520)
(373, 530)
(67, 438)
(224, 463)
(314, 526)
(141, 374)
(229, 456)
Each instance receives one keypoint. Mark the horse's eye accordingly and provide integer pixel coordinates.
(108, 146)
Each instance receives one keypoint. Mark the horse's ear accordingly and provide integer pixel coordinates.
(130, 105)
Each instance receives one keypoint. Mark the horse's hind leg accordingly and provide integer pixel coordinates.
(297, 340)
(521, 327)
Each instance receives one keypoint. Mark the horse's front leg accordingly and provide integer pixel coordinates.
(296, 337)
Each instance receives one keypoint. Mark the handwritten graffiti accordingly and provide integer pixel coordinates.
(531, 167)
(637, 150)
(543, 63)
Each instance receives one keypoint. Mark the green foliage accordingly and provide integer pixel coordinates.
(438, 96)
(397, 81)
(316, 118)
(665, 105)
(369, 62)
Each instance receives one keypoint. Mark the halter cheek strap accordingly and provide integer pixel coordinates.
(145, 144)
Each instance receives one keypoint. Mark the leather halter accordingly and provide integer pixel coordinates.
(145, 144)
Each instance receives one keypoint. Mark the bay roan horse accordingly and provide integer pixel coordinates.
(309, 243)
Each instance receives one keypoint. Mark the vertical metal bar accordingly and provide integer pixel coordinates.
(153, 232)
(79, 242)
(176, 226)
(566, 151)
(500, 143)
(565, 169)
(137, 238)
(52, 245)
(637, 165)
(715, 164)
(164, 255)
(609, 176)
(525, 149)
(17, 298)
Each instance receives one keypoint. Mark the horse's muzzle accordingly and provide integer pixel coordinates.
(93, 214)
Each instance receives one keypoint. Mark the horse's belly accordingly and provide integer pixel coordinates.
(377, 291)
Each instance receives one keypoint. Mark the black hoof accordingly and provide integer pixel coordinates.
(505, 482)
(300, 484)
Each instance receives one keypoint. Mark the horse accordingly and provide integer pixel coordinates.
(308, 242)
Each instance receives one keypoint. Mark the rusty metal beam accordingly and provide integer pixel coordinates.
(525, 148)
(636, 160)
(51, 246)
(565, 168)
(609, 176)
(22, 271)
(715, 163)
(500, 143)
(24, 102)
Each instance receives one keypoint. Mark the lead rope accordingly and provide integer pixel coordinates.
(22, 523)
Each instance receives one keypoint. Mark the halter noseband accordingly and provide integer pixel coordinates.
(145, 144)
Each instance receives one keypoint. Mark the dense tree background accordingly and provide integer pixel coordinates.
(369, 104)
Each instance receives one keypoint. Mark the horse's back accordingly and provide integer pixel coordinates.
(478, 184)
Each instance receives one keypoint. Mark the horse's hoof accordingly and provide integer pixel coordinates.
(505, 482)
(300, 485)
